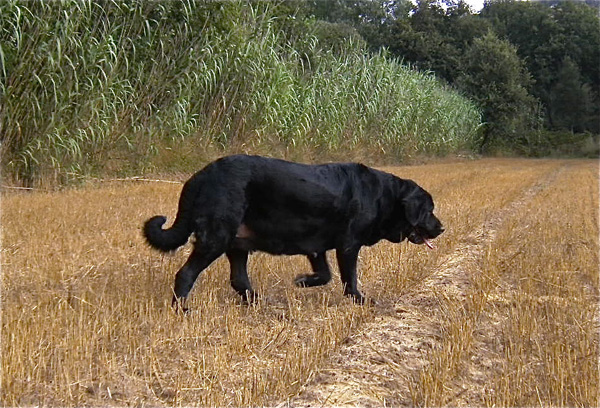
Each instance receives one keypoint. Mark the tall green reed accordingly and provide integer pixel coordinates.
(88, 82)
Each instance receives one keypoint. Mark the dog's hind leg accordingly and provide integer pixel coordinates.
(238, 261)
(321, 275)
(199, 260)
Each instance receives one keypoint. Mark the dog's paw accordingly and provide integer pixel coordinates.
(359, 299)
(301, 280)
(178, 305)
(250, 297)
(309, 280)
(181, 310)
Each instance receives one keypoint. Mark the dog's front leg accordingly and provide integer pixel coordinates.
(347, 259)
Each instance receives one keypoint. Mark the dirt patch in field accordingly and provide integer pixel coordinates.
(380, 364)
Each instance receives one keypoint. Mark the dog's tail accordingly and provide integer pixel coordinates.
(172, 238)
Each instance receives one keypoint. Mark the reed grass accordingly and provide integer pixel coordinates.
(92, 88)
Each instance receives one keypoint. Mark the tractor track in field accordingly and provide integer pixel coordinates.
(377, 365)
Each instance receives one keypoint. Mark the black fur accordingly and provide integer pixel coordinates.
(240, 204)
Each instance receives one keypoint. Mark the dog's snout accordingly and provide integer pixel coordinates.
(438, 230)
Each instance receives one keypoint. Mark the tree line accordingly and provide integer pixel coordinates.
(532, 67)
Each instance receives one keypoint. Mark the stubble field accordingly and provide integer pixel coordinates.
(503, 313)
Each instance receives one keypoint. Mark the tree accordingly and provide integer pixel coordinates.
(571, 104)
(337, 37)
(494, 76)
(434, 36)
(544, 36)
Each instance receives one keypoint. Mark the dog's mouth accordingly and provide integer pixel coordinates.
(428, 243)
(417, 238)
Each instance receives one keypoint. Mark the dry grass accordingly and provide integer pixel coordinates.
(86, 317)
(544, 309)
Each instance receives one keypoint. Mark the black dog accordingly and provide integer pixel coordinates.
(239, 204)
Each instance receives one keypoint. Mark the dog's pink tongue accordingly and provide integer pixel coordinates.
(429, 243)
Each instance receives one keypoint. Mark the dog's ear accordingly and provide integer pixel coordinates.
(415, 206)
(413, 210)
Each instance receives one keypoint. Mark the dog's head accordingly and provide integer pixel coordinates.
(416, 221)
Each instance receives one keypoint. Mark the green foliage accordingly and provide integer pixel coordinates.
(571, 100)
(497, 80)
(90, 85)
(545, 38)
(545, 143)
(435, 36)
(336, 36)
(558, 44)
